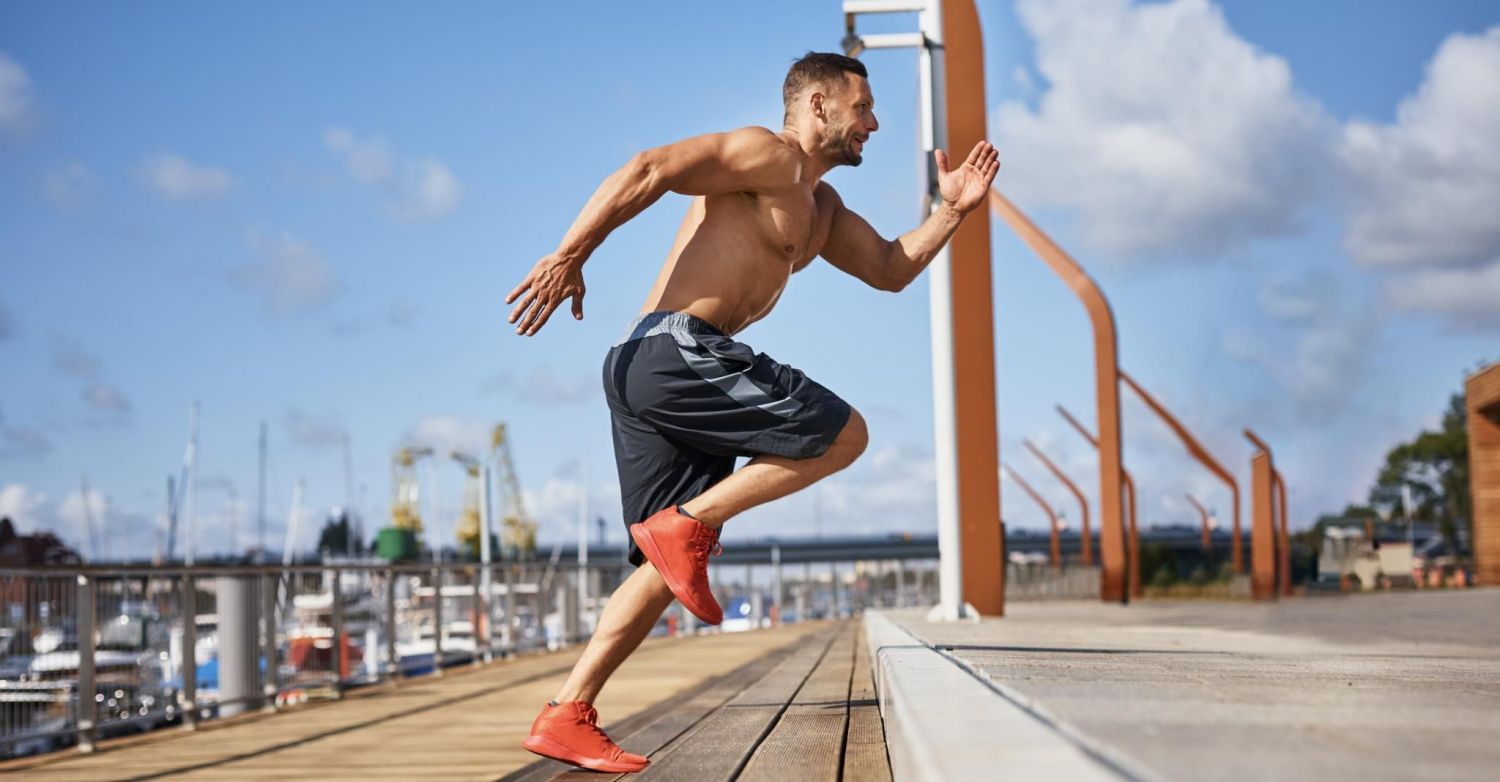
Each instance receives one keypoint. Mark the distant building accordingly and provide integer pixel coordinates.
(41, 548)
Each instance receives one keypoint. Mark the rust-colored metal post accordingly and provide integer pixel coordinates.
(1112, 577)
(1083, 503)
(1482, 410)
(1262, 529)
(1283, 539)
(1133, 563)
(1056, 553)
(1133, 540)
(1284, 574)
(1208, 544)
(973, 317)
(1236, 549)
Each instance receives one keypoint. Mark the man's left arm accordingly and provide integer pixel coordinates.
(856, 248)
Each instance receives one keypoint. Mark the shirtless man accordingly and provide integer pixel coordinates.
(684, 396)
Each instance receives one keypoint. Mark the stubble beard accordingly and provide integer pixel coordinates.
(842, 149)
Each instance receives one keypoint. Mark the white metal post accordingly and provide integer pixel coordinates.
(933, 129)
(486, 599)
(940, 286)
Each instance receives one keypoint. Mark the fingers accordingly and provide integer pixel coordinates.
(538, 317)
(578, 305)
(520, 309)
(526, 283)
(941, 158)
(977, 153)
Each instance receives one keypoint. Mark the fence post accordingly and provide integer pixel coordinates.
(512, 622)
(391, 655)
(437, 621)
(336, 619)
(87, 706)
(187, 698)
(270, 679)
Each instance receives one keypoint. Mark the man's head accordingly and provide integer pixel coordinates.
(829, 94)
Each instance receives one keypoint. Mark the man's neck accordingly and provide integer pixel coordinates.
(814, 163)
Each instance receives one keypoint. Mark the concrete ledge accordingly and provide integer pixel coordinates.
(942, 723)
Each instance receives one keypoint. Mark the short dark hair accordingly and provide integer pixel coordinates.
(817, 68)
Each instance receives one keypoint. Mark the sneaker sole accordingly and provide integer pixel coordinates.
(647, 544)
(547, 748)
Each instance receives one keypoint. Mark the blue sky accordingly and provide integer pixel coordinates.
(308, 216)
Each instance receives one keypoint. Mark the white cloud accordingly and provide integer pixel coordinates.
(447, 433)
(173, 176)
(428, 191)
(290, 275)
(1470, 296)
(1167, 132)
(417, 190)
(1425, 189)
(106, 398)
(69, 187)
(369, 160)
(1294, 301)
(17, 114)
(22, 505)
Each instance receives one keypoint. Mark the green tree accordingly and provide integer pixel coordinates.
(1435, 467)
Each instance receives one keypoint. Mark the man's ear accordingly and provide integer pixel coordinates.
(815, 101)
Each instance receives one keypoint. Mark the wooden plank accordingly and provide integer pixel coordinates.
(466, 725)
(717, 748)
(865, 758)
(807, 743)
(647, 732)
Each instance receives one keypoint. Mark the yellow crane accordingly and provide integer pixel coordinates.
(518, 535)
(406, 513)
(468, 521)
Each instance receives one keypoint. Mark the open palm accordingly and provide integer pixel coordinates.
(964, 187)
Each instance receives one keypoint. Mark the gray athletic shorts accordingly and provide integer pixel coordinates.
(686, 400)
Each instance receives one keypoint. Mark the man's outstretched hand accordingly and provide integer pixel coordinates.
(552, 281)
(965, 187)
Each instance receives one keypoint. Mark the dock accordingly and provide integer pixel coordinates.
(749, 704)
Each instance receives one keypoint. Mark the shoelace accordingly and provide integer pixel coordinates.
(706, 544)
(590, 717)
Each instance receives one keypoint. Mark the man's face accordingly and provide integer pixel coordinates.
(851, 120)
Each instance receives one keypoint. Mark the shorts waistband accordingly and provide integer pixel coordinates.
(653, 323)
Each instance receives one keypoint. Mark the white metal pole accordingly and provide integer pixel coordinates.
(940, 282)
(191, 488)
(486, 599)
(583, 538)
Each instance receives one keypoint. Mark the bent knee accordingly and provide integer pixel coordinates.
(853, 438)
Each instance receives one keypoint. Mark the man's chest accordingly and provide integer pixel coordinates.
(795, 223)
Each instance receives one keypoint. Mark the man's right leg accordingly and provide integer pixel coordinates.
(768, 478)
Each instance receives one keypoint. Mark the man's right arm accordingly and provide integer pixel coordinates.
(749, 159)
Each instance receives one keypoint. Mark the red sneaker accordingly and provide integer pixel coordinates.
(679, 546)
(570, 732)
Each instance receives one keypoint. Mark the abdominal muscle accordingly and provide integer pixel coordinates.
(723, 269)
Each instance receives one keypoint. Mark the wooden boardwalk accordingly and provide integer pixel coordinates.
(807, 712)
(771, 704)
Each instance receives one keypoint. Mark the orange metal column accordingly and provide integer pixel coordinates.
(1208, 544)
(1277, 503)
(1112, 579)
(1207, 460)
(1262, 529)
(1056, 548)
(1133, 562)
(1083, 503)
(973, 327)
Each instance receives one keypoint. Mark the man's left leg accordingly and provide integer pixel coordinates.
(628, 616)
